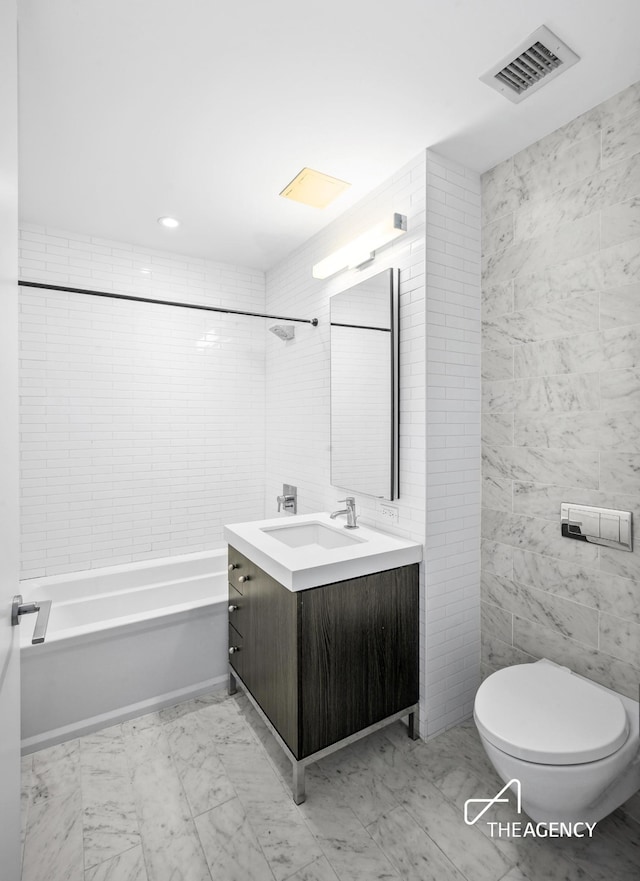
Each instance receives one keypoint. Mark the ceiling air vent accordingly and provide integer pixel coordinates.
(534, 63)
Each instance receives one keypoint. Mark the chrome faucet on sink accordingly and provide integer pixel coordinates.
(350, 511)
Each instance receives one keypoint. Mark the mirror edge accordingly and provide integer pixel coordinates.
(394, 490)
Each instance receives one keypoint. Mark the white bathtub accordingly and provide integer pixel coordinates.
(122, 641)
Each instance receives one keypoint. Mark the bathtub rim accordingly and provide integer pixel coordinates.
(122, 568)
(139, 620)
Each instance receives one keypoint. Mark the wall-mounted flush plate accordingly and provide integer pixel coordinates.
(601, 526)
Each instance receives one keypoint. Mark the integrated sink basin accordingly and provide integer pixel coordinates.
(311, 550)
(301, 535)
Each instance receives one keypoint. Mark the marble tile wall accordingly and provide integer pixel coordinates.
(561, 395)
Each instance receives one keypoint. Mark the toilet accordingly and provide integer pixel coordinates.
(572, 744)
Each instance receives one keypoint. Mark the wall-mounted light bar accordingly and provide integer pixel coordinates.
(362, 249)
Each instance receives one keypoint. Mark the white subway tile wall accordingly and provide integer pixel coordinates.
(298, 408)
(146, 427)
(142, 425)
(452, 549)
(561, 389)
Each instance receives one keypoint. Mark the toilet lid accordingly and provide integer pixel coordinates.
(544, 713)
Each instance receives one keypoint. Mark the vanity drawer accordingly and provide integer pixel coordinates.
(236, 609)
(236, 657)
(241, 568)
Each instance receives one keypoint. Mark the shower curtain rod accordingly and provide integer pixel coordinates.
(111, 296)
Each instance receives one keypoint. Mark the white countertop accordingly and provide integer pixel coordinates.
(299, 568)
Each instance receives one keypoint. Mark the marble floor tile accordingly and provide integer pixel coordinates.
(318, 870)
(109, 822)
(414, 854)
(55, 771)
(146, 744)
(260, 789)
(632, 807)
(287, 845)
(109, 819)
(613, 854)
(365, 779)
(225, 725)
(119, 805)
(201, 772)
(26, 766)
(170, 714)
(127, 866)
(230, 845)
(357, 857)
(53, 844)
(328, 813)
(467, 848)
(171, 847)
(140, 723)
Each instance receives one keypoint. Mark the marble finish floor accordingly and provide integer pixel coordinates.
(200, 792)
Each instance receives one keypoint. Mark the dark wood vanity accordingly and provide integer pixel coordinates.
(325, 665)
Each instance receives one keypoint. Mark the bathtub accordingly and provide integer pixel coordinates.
(122, 641)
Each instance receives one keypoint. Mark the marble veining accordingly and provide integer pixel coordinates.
(384, 808)
(591, 431)
(561, 395)
(620, 638)
(597, 192)
(497, 299)
(570, 241)
(497, 621)
(620, 307)
(497, 364)
(613, 267)
(539, 641)
(578, 468)
(567, 617)
(558, 319)
(621, 139)
(621, 222)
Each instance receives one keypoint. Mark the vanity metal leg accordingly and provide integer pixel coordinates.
(233, 685)
(413, 726)
(299, 794)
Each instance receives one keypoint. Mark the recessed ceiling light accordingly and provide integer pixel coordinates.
(169, 222)
(314, 188)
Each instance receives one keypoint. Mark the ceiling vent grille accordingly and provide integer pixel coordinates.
(534, 63)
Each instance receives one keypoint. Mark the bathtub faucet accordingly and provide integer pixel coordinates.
(289, 498)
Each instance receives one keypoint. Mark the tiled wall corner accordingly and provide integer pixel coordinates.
(561, 395)
(142, 425)
(452, 557)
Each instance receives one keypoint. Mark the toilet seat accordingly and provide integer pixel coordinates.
(546, 714)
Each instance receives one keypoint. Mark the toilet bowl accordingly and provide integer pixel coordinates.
(573, 745)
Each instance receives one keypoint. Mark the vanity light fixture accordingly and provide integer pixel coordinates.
(362, 249)
(169, 222)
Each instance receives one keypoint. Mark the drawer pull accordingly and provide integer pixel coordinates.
(233, 608)
(244, 578)
(233, 649)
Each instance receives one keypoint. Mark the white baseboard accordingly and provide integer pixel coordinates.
(121, 714)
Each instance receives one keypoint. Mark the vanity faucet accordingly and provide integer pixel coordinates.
(350, 511)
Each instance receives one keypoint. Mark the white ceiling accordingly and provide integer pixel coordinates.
(205, 109)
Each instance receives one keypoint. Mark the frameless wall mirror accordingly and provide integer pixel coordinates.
(364, 387)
